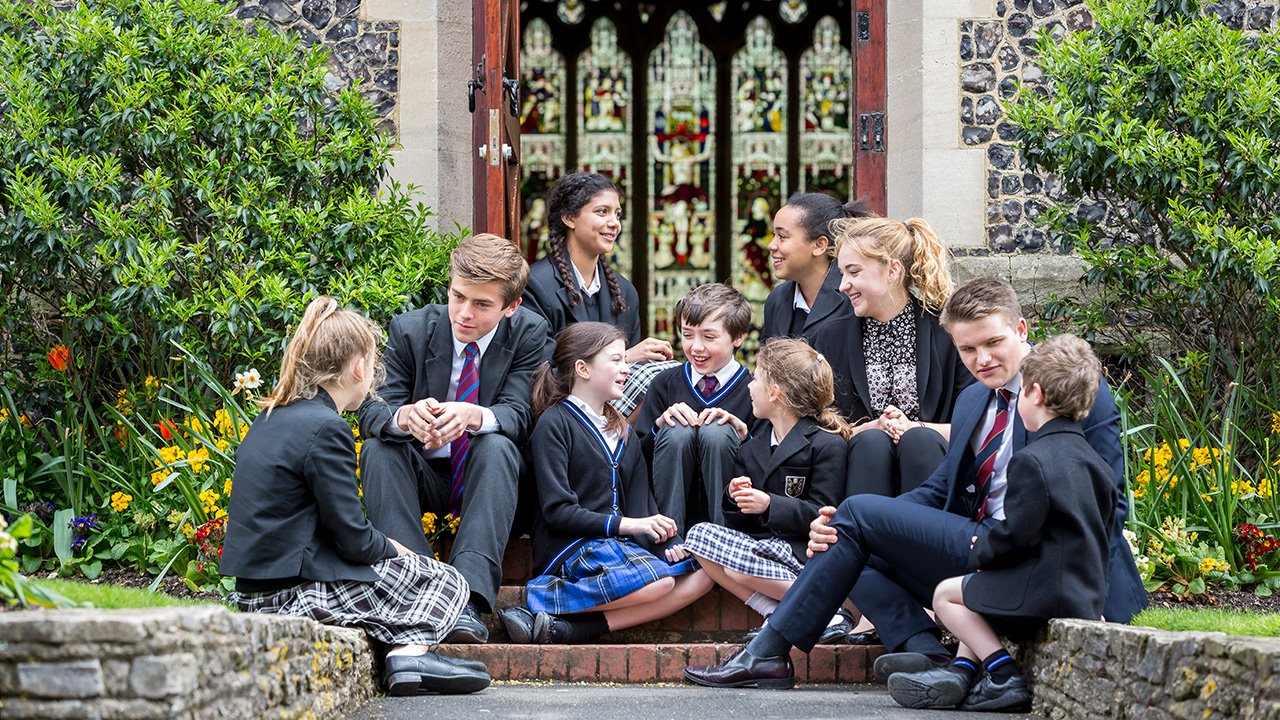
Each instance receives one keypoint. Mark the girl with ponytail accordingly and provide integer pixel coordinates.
(803, 253)
(298, 541)
(794, 465)
(576, 283)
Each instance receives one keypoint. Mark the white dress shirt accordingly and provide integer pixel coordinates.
(999, 481)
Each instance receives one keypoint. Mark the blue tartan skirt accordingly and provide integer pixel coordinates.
(597, 573)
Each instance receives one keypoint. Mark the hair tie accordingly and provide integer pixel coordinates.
(822, 358)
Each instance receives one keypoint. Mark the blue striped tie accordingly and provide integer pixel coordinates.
(985, 460)
(468, 392)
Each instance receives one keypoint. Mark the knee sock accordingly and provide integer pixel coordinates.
(926, 643)
(1000, 666)
(585, 627)
(762, 604)
(965, 667)
(769, 643)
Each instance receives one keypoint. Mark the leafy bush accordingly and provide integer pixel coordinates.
(1168, 118)
(169, 175)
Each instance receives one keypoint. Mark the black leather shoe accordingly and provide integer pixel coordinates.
(888, 665)
(934, 688)
(751, 634)
(432, 673)
(550, 630)
(870, 637)
(1011, 696)
(835, 634)
(469, 629)
(742, 669)
(518, 622)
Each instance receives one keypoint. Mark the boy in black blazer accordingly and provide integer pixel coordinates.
(1048, 559)
(686, 417)
(445, 434)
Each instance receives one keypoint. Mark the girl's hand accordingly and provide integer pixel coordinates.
(680, 413)
(750, 500)
(877, 424)
(400, 549)
(650, 349)
(676, 553)
(720, 416)
(659, 527)
(897, 427)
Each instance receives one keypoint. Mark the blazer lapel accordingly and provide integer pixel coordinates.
(858, 364)
(780, 314)
(495, 363)
(829, 300)
(924, 364)
(579, 311)
(794, 442)
(964, 422)
(439, 362)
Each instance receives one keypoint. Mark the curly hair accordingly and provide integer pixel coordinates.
(566, 198)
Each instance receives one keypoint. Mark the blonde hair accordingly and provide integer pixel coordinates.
(913, 243)
(325, 342)
(1068, 373)
(805, 379)
(553, 381)
(486, 258)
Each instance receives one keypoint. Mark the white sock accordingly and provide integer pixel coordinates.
(408, 650)
(835, 620)
(762, 604)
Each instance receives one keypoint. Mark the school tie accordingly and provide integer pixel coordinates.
(707, 386)
(985, 460)
(468, 392)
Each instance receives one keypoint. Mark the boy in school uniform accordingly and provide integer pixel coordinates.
(1048, 559)
(444, 432)
(688, 408)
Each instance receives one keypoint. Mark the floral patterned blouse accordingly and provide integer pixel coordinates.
(890, 351)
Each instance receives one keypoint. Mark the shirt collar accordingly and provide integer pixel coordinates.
(482, 343)
(723, 376)
(798, 302)
(591, 289)
(596, 418)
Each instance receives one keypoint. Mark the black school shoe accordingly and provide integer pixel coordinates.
(986, 696)
(433, 674)
(886, 666)
(469, 629)
(518, 622)
(939, 687)
(835, 634)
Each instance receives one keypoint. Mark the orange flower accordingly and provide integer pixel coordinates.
(59, 356)
(167, 429)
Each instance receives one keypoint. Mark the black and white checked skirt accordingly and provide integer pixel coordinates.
(770, 558)
(640, 376)
(416, 601)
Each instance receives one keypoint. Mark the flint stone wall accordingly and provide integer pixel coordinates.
(192, 662)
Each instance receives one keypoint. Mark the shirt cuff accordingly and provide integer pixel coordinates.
(488, 422)
(393, 427)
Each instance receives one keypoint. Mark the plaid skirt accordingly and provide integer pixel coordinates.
(597, 573)
(633, 392)
(415, 601)
(770, 558)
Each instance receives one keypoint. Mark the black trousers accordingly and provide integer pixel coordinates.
(878, 466)
(890, 556)
(400, 486)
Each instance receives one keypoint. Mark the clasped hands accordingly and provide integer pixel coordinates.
(436, 423)
(821, 535)
(894, 422)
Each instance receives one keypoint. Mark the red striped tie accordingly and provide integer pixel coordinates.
(985, 460)
(468, 392)
(707, 386)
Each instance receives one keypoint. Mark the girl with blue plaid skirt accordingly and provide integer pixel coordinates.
(784, 474)
(609, 560)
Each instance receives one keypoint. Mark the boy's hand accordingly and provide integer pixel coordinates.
(650, 349)
(449, 420)
(720, 416)
(418, 419)
(680, 413)
(676, 553)
(821, 535)
(659, 527)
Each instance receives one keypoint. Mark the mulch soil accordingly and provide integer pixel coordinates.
(1223, 599)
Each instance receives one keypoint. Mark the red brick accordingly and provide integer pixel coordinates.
(736, 616)
(613, 663)
(822, 664)
(801, 663)
(703, 654)
(672, 660)
(583, 663)
(642, 663)
(553, 661)
(705, 613)
(855, 664)
(509, 595)
(522, 662)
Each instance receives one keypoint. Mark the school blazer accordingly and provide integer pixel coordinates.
(584, 490)
(948, 487)
(804, 473)
(547, 296)
(419, 361)
(830, 305)
(1048, 559)
(296, 512)
(940, 374)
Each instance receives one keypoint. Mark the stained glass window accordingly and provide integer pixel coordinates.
(542, 132)
(604, 125)
(793, 11)
(682, 104)
(570, 11)
(826, 135)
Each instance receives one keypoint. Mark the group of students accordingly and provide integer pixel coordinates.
(865, 376)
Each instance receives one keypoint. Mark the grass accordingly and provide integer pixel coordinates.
(1231, 622)
(107, 596)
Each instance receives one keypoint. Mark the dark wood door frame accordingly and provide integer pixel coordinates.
(870, 107)
(495, 129)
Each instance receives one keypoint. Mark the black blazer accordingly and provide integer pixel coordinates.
(805, 472)
(295, 512)
(547, 296)
(1048, 559)
(419, 361)
(831, 304)
(583, 489)
(948, 487)
(940, 374)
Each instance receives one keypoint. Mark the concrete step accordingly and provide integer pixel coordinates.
(652, 662)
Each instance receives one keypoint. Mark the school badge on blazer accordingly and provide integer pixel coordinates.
(794, 485)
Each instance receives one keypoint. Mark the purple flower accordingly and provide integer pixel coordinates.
(42, 510)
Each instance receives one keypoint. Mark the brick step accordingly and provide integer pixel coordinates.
(652, 662)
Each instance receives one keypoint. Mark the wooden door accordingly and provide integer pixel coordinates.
(493, 97)
(871, 120)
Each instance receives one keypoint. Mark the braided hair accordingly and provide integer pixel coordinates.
(566, 198)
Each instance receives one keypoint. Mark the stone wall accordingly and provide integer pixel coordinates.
(1093, 670)
(193, 662)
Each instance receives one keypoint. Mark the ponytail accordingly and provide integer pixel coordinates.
(914, 244)
(327, 339)
(928, 271)
(830, 420)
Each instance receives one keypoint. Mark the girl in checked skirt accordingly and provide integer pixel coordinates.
(298, 541)
(609, 560)
(784, 474)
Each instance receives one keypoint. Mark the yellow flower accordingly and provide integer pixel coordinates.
(195, 425)
(428, 523)
(24, 420)
(120, 501)
(222, 444)
(226, 488)
(159, 476)
(453, 524)
(1275, 423)
(151, 383)
(198, 459)
(222, 422)
(355, 431)
(169, 455)
(4, 414)
(1183, 443)
(1266, 488)
(188, 531)
(1206, 497)
(210, 500)
(220, 513)
(1201, 456)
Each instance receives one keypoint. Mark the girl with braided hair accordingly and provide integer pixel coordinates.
(576, 283)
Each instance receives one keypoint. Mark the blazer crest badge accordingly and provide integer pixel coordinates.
(794, 485)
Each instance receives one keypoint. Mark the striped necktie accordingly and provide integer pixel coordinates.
(468, 392)
(985, 460)
(707, 386)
